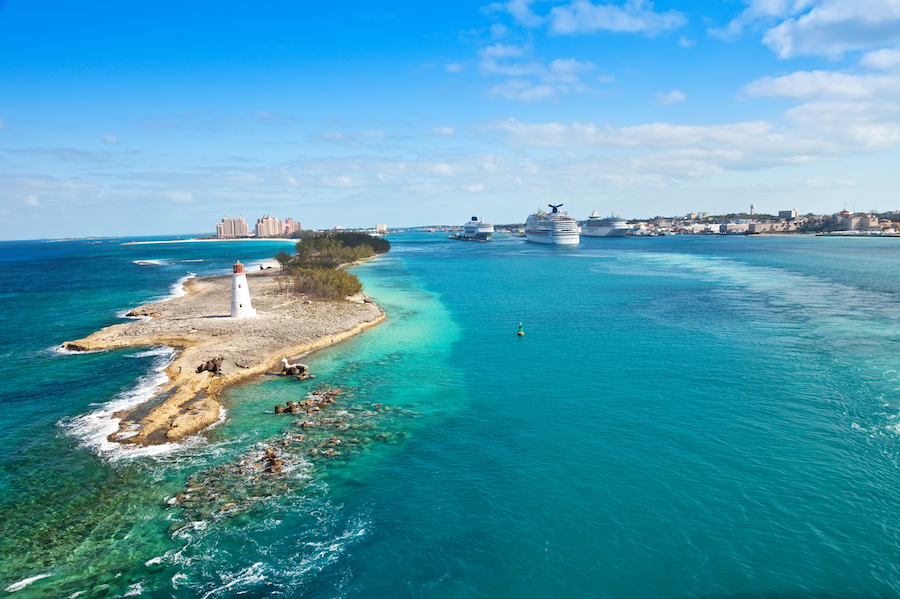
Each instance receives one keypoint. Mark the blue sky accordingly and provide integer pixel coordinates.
(142, 118)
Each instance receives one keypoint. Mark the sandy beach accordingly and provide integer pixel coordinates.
(198, 325)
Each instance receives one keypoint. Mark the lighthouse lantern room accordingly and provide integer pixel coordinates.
(240, 294)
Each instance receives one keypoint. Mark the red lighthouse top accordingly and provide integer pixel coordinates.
(238, 268)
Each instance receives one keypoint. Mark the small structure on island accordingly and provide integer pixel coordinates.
(240, 294)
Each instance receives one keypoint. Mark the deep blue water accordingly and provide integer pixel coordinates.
(684, 417)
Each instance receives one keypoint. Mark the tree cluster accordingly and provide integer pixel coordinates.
(314, 267)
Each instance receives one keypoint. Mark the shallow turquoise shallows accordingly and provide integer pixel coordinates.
(711, 417)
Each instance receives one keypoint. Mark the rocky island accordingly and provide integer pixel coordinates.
(215, 351)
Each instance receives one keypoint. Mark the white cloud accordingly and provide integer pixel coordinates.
(531, 80)
(520, 10)
(516, 89)
(110, 139)
(445, 130)
(673, 97)
(836, 26)
(477, 188)
(32, 200)
(818, 131)
(652, 135)
(179, 196)
(342, 181)
(443, 169)
(760, 11)
(352, 139)
(684, 42)
(583, 16)
(567, 69)
(2, 126)
(885, 59)
(819, 27)
(851, 124)
(860, 111)
(816, 84)
(454, 67)
(498, 30)
(636, 16)
(501, 50)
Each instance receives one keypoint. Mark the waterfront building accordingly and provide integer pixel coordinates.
(736, 228)
(231, 228)
(269, 227)
(787, 214)
(290, 225)
(847, 221)
(774, 227)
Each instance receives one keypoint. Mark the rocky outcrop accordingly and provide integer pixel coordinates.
(213, 366)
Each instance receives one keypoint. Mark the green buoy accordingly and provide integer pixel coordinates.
(521, 332)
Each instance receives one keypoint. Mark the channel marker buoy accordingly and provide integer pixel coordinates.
(521, 332)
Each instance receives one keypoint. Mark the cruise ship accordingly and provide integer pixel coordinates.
(475, 230)
(553, 227)
(611, 226)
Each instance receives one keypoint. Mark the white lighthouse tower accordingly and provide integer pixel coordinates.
(240, 294)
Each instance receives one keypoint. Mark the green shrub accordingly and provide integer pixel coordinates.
(321, 283)
(312, 268)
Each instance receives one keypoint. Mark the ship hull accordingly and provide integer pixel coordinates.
(552, 237)
(603, 232)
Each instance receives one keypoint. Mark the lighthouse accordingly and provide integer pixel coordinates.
(240, 294)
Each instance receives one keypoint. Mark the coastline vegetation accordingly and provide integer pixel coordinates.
(316, 268)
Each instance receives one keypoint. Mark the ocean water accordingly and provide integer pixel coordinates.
(708, 417)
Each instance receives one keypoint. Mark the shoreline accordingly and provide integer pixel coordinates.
(198, 326)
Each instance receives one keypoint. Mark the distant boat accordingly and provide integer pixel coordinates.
(611, 226)
(552, 227)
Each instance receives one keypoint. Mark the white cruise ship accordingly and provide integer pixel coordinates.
(611, 226)
(478, 229)
(553, 227)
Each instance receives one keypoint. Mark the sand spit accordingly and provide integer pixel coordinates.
(198, 325)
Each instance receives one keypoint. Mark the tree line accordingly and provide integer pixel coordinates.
(314, 267)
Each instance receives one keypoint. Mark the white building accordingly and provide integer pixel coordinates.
(240, 294)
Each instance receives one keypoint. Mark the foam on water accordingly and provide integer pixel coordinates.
(250, 575)
(177, 289)
(64, 351)
(93, 429)
(149, 262)
(18, 586)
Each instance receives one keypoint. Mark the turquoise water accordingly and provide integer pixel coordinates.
(684, 417)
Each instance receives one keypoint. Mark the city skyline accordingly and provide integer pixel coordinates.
(266, 226)
(143, 120)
